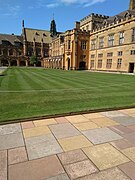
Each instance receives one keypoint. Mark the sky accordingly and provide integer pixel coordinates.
(38, 14)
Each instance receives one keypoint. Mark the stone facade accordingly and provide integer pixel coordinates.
(11, 50)
(97, 43)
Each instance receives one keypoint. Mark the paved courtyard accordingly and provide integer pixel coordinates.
(96, 146)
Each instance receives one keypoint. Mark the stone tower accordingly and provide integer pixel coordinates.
(132, 5)
(53, 30)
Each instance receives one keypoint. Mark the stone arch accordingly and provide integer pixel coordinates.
(68, 63)
(5, 52)
(22, 63)
(4, 62)
(82, 65)
(13, 62)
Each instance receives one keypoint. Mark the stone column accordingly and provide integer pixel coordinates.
(18, 62)
(25, 48)
(42, 49)
(74, 56)
(26, 62)
(34, 47)
(9, 63)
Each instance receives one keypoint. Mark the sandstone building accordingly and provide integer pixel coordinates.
(97, 43)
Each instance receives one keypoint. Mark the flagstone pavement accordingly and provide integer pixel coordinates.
(95, 146)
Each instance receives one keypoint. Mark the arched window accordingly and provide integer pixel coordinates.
(5, 52)
(10, 52)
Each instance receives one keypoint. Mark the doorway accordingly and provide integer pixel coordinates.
(68, 64)
(13, 63)
(131, 67)
(82, 65)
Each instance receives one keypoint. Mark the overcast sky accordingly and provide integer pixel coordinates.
(38, 13)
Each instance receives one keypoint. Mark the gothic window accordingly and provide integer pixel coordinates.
(121, 37)
(100, 63)
(92, 64)
(111, 40)
(84, 45)
(109, 63)
(93, 44)
(119, 62)
(101, 42)
(133, 35)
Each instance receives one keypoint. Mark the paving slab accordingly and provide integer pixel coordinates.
(130, 153)
(132, 115)
(125, 120)
(86, 126)
(36, 170)
(104, 122)
(11, 141)
(64, 130)
(93, 115)
(128, 111)
(76, 119)
(132, 127)
(112, 114)
(36, 131)
(129, 169)
(3, 165)
(122, 144)
(10, 128)
(17, 155)
(76, 142)
(120, 129)
(27, 125)
(80, 169)
(61, 120)
(59, 177)
(130, 137)
(109, 174)
(44, 122)
(42, 146)
(72, 157)
(105, 156)
(102, 135)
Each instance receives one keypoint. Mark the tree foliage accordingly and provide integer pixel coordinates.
(33, 60)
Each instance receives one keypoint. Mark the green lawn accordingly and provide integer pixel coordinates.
(29, 92)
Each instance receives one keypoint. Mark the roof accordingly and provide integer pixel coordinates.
(11, 38)
(38, 35)
(121, 15)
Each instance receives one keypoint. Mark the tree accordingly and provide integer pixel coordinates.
(33, 60)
